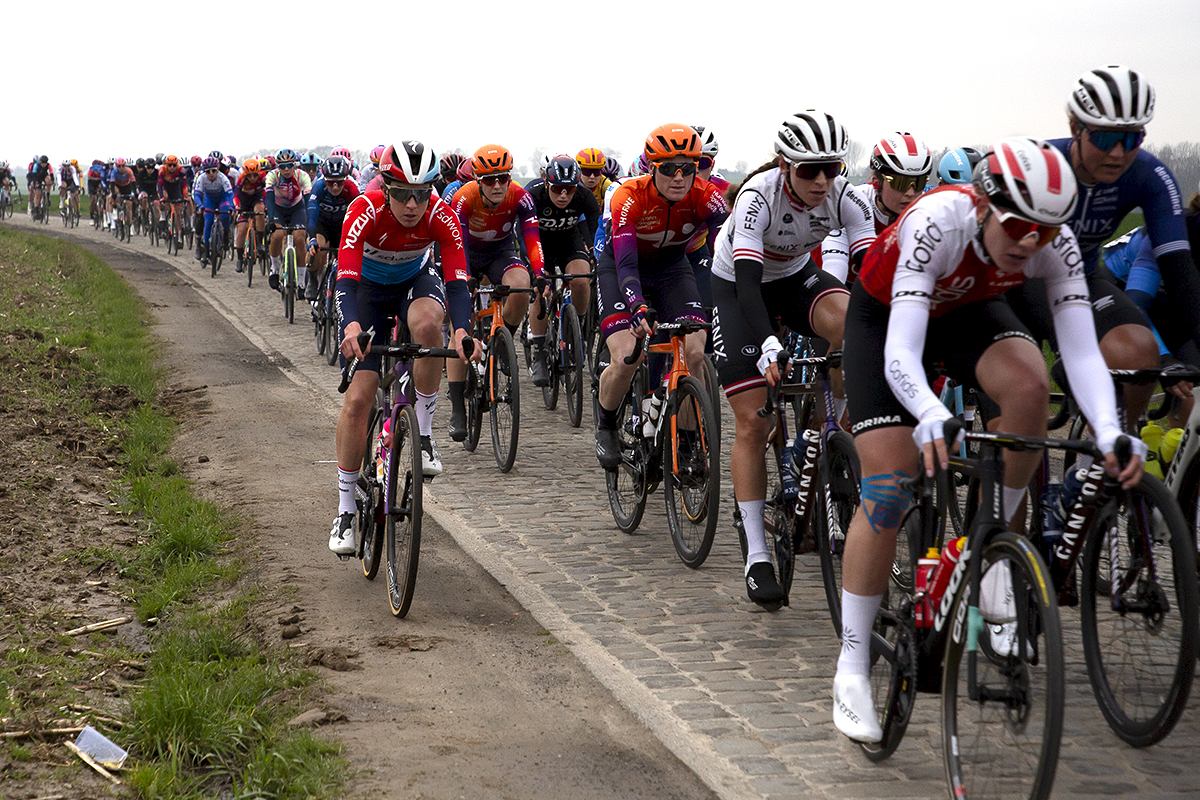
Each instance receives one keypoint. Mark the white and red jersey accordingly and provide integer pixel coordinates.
(376, 246)
(931, 256)
(769, 225)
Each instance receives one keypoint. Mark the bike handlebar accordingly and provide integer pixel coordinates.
(405, 352)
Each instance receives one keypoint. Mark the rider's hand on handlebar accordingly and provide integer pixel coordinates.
(1129, 476)
(768, 362)
(350, 348)
(459, 336)
(639, 325)
(929, 436)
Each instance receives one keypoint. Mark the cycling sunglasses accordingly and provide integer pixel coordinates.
(492, 180)
(1017, 228)
(672, 168)
(335, 184)
(1107, 140)
(902, 183)
(212, 171)
(809, 170)
(561, 189)
(591, 173)
(705, 163)
(402, 194)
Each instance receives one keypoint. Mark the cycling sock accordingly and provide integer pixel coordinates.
(537, 341)
(426, 405)
(457, 401)
(1012, 501)
(607, 419)
(275, 263)
(839, 409)
(303, 277)
(346, 483)
(512, 328)
(858, 618)
(752, 524)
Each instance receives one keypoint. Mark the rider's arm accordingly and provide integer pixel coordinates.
(750, 219)
(314, 206)
(1144, 278)
(527, 213)
(590, 221)
(1162, 205)
(359, 221)
(269, 195)
(444, 227)
(625, 246)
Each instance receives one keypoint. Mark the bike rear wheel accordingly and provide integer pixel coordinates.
(1006, 743)
(404, 522)
(571, 358)
(834, 507)
(551, 353)
(628, 485)
(504, 398)
(691, 465)
(779, 517)
(474, 395)
(216, 247)
(1140, 659)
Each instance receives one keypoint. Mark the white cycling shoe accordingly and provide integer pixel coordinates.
(341, 538)
(854, 709)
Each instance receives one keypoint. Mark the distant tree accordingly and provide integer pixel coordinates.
(1183, 159)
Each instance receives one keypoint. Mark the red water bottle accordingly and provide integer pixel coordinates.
(923, 612)
(941, 576)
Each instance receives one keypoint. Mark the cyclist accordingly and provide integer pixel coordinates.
(699, 251)
(6, 181)
(644, 264)
(212, 192)
(124, 184)
(68, 186)
(311, 164)
(931, 289)
(591, 165)
(327, 203)
(248, 199)
(386, 269)
(1108, 111)
(447, 172)
(491, 210)
(612, 168)
(372, 169)
(287, 191)
(956, 166)
(763, 271)
(41, 177)
(465, 174)
(146, 174)
(172, 187)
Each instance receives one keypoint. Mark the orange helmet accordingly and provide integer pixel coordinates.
(590, 158)
(490, 159)
(672, 140)
(250, 166)
(171, 161)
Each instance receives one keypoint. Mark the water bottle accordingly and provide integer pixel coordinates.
(381, 452)
(1072, 482)
(941, 575)
(923, 611)
(787, 475)
(1052, 518)
(651, 408)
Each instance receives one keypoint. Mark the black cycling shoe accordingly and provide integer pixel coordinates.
(608, 448)
(458, 425)
(273, 280)
(762, 588)
(310, 288)
(537, 367)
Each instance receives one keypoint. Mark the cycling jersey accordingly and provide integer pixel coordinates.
(217, 191)
(66, 177)
(172, 185)
(285, 192)
(123, 178)
(600, 190)
(1131, 260)
(701, 239)
(327, 206)
(375, 246)
(147, 179)
(96, 173)
(581, 215)
(248, 191)
(773, 228)
(649, 233)
(492, 229)
(365, 177)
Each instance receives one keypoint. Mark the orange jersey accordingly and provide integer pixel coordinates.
(490, 228)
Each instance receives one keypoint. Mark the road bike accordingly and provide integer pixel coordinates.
(217, 238)
(390, 483)
(667, 435)
(250, 251)
(289, 277)
(324, 312)
(564, 348)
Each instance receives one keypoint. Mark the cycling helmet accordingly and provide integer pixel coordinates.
(341, 151)
(957, 165)
(1028, 178)
(196, 161)
(271, 163)
(811, 135)
(171, 161)
(708, 141)
(310, 160)
(217, 154)
(210, 163)
(546, 159)
(490, 159)
(411, 162)
(110, 161)
(590, 158)
(140, 163)
(120, 162)
(466, 171)
(612, 168)
(640, 166)
(377, 153)
(449, 165)
(669, 141)
(285, 156)
(74, 162)
(227, 161)
(1113, 96)
(562, 171)
(95, 161)
(67, 162)
(44, 160)
(250, 167)
(901, 154)
(159, 157)
(336, 168)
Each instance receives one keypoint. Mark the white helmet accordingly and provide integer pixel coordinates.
(708, 141)
(811, 136)
(1112, 96)
(902, 154)
(546, 159)
(410, 162)
(1032, 179)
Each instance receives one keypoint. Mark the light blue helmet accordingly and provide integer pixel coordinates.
(957, 165)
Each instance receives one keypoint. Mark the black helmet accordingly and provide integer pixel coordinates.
(562, 171)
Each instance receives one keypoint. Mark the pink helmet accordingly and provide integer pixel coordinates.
(377, 153)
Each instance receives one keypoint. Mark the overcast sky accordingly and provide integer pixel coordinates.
(563, 76)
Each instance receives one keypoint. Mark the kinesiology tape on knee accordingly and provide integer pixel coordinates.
(887, 500)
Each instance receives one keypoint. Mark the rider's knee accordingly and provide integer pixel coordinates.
(1130, 347)
(884, 501)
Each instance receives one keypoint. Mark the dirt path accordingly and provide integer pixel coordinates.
(467, 698)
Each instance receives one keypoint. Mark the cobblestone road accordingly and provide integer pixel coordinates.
(741, 696)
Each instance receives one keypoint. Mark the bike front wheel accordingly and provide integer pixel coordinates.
(404, 490)
(504, 398)
(371, 523)
(691, 465)
(627, 484)
(571, 358)
(837, 501)
(1139, 642)
(1005, 742)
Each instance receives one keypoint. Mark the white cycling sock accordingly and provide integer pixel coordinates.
(1012, 501)
(346, 483)
(303, 277)
(858, 618)
(756, 536)
(839, 409)
(426, 405)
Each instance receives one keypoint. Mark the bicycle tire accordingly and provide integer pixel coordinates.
(372, 527)
(216, 247)
(691, 465)
(551, 355)
(893, 674)
(474, 395)
(627, 485)
(1027, 726)
(714, 391)
(834, 505)
(1140, 660)
(505, 398)
(404, 521)
(779, 517)
(571, 359)
(333, 325)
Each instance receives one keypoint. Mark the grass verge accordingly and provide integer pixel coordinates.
(207, 709)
